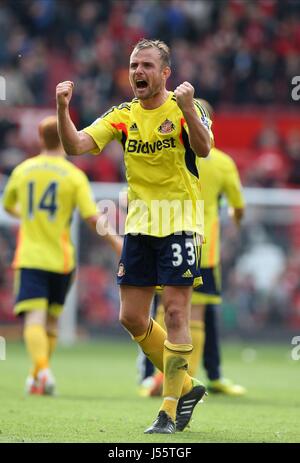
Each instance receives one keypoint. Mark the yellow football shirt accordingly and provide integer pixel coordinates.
(47, 189)
(218, 176)
(161, 170)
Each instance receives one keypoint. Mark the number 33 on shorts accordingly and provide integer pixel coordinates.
(172, 260)
(177, 253)
(185, 259)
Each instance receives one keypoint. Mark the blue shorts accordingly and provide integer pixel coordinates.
(210, 291)
(41, 290)
(172, 260)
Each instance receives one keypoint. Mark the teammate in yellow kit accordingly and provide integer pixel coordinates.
(162, 133)
(43, 192)
(218, 177)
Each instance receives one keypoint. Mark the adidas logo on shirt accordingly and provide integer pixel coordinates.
(134, 127)
(187, 274)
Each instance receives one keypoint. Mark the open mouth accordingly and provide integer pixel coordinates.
(141, 84)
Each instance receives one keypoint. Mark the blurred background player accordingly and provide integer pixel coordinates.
(219, 177)
(43, 192)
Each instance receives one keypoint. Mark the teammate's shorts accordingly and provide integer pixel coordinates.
(210, 291)
(173, 260)
(41, 290)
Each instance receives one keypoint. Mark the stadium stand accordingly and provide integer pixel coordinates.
(239, 55)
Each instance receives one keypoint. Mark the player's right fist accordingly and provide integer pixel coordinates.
(64, 92)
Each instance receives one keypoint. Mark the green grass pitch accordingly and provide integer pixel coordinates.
(97, 398)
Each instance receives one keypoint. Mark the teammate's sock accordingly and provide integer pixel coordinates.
(152, 343)
(160, 317)
(212, 354)
(198, 336)
(176, 360)
(36, 341)
(52, 342)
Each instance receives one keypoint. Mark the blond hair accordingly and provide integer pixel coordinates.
(161, 46)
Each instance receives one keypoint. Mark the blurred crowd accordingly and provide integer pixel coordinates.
(276, 163)
(260, 271)
(234, 52)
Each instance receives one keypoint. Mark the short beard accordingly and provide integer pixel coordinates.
(150, 95)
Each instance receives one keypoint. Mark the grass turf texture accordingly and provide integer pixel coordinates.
(98, 399)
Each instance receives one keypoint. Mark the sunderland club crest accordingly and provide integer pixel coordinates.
(121, 271)
(166, 127)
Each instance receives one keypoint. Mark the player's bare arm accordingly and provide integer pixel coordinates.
(237, 215)
(198, 134)
(74, 142)
(101, 225)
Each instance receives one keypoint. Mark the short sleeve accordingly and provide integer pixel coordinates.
(232, 187)
(84, 197)
(106, 128)
(205, 119)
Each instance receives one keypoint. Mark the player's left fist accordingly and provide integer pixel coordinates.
(184, 95)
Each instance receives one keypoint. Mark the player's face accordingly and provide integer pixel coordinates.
(147, 75)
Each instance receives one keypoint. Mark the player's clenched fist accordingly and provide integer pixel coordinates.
(184, 95)
(64, 92)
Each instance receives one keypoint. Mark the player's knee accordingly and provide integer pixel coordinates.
(125, 321)
(133, 323)
(52, 326)
(197, 312)
(175, 316)
(35, 317)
